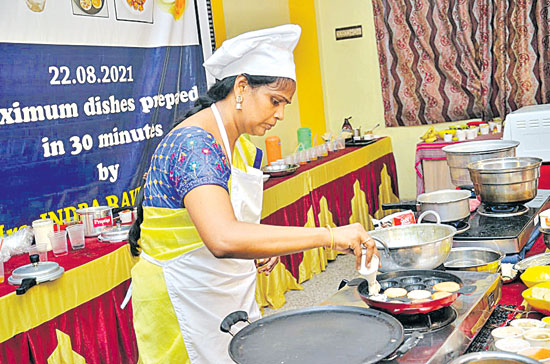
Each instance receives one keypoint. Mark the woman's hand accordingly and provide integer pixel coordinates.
(266, 265)
(351, 239)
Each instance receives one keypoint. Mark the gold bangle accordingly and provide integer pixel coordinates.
(331, 236)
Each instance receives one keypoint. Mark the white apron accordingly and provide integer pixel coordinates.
(204, 289)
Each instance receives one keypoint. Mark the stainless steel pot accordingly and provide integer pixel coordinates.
(95, 219)
(450, 205)
(459, 155)
(416, 246)
(506, 181)
(493, 357)
(474, 260)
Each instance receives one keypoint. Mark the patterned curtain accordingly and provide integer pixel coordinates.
(450, 60)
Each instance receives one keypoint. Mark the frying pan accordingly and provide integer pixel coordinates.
(413, 279)
(323, 334)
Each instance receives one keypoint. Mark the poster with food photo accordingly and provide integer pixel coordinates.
(97, 8)
(134, 10)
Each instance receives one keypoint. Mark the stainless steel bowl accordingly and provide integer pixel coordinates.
(474, 259)
(416, 246)
(280, 170)
(493, 357)
(459, 155)
(506, 181)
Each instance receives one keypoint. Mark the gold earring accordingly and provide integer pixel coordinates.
(239, 100)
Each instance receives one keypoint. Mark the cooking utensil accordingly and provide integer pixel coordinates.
(490, 357)
(416, 246)
(32, 274)
(506, 181)
(474, 259)
(459, 155)
(95, 219)
(451, 205)
(539, 259)
(280, 170)
(324, 334)
(114, 234)
(413, 279)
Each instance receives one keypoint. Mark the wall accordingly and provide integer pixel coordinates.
(351, 83)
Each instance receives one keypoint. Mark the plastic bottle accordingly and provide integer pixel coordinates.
(273, 148)
(304, 137)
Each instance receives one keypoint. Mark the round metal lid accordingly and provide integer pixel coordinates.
(43, 272)
(115, 234)
(480, 147)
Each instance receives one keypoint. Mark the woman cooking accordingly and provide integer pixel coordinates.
(199, 231)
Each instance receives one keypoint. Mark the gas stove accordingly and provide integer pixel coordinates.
(508, 234)
(446, 333)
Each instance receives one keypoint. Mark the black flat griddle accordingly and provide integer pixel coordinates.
(320, 335)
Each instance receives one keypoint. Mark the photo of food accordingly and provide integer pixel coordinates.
(174, 7)
(96, 8)
(134, 10)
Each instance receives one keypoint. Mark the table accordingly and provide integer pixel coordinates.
(65, 323)
(348, 186)
(432, 172)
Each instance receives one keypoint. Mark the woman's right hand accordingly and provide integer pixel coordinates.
(351, 239)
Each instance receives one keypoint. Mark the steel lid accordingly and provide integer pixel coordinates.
(114, 234)
(42, 271)
(480, 147)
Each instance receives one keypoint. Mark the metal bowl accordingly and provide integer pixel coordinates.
(459, 155)
(506, 181)
(280, 170)
(416, 246)
(493, 357)
(474, 260)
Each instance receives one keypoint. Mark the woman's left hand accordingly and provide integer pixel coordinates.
(265, 266)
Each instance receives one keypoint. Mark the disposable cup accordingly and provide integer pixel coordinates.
(42, 251)
(1, 270)
(76, 235)
(41, 228)
(59, 242)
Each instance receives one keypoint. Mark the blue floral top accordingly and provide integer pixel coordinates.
(186, 158)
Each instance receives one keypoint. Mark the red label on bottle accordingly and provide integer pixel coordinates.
(103, 221)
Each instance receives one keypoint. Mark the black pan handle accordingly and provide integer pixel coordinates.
(342, 284)
(232, 319)
(25, 285)
(403, 205)
(407, 345)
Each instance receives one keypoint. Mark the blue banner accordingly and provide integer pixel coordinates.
(79, 123)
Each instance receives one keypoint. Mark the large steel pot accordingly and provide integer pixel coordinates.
(506, 181)
(416, 246)
(459, 155)
(95, 219)
(493, 357)
(474, 259)
(450, 205)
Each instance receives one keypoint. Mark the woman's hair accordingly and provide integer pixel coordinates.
(217, 92)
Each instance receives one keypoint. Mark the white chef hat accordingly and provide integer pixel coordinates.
(265, 52)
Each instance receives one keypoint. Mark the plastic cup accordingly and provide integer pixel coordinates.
(448, 137)
(42, 251)
(76, 235)
(59, 242)
(41, 229)
(1, 270)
